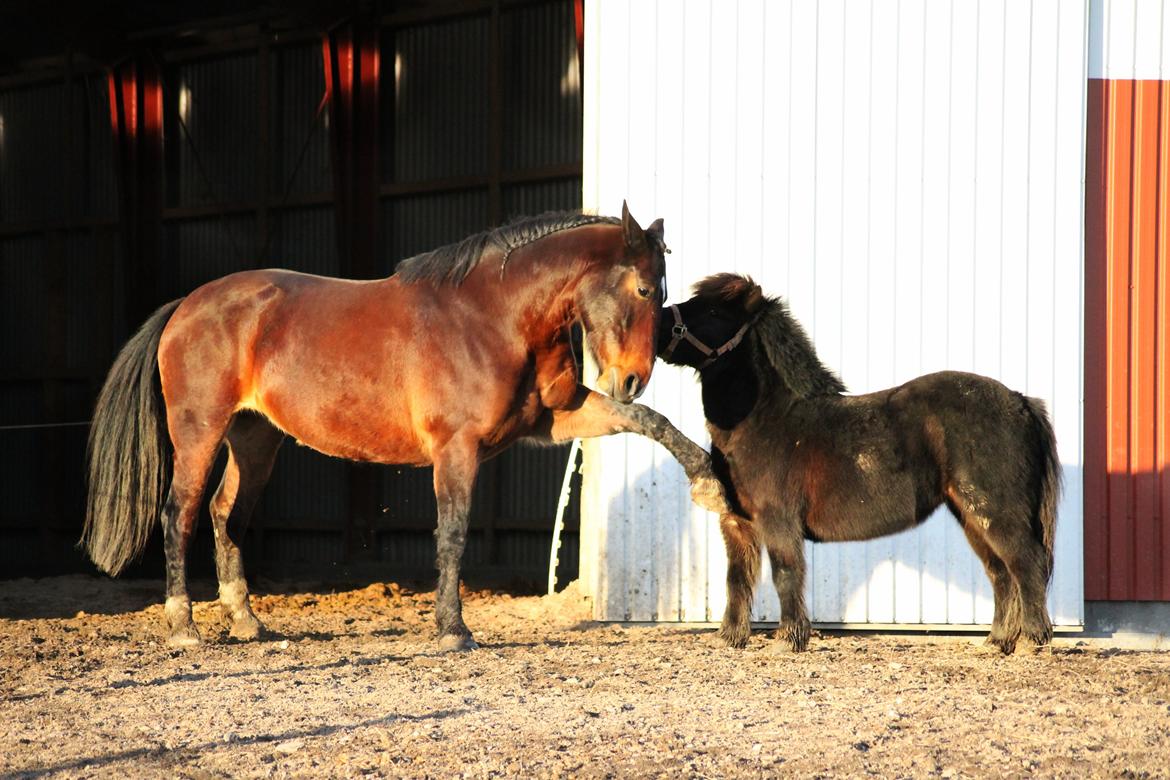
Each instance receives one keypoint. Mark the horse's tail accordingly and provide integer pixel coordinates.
(127, 452)
(1050, 477)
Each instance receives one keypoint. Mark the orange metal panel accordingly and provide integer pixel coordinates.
(1127, 246)
(1143, 299)
(1118, 220)
(1096, 283)
(1162, 352)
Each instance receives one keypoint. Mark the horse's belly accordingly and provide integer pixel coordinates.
(345, 426)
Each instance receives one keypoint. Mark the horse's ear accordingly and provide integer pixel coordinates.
(634, 235)
(656, 232)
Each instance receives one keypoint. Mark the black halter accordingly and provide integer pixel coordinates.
(680, 331)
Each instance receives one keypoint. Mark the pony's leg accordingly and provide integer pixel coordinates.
(195, 448)
(787, 559)
(455, 469)
(252, 447)
(591, 414)
(1027, 563)
(1005, 625)
(743, 569)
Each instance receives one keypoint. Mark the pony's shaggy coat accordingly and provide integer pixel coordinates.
(802, 460)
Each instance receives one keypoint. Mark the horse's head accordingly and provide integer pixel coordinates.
(699, 331)
(619, 307)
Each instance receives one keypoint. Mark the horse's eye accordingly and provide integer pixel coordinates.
(644, 292)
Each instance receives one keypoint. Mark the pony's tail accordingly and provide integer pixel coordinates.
(1050, 477)
(127, 452)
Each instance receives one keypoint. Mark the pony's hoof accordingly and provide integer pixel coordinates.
(794, 635)
(184, 637)
(735, 636)
(708, 493)
(1005, 645)
(246, 629)
(457, 643)
(1035, 642)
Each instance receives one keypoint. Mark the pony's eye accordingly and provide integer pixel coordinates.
(644, 292)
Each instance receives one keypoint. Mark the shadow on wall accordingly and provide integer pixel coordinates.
(662, 559)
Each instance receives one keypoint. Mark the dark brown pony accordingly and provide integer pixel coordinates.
(462, 352)
(801, 460)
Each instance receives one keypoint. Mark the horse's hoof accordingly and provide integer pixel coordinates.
(457, 643)
(184, 637)
(246, 629)
(708, 493)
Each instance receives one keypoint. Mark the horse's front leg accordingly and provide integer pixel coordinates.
(592, 414)
(455, 469)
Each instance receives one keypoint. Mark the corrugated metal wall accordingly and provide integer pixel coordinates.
(1127, 324)
(908, 175)
(60, 263)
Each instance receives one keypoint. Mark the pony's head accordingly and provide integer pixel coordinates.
(619, 307)
(699, 331)
(728, 309)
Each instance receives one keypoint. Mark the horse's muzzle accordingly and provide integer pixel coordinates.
(622, 389)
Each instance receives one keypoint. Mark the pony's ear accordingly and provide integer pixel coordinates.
(634, 235)
(752, 297)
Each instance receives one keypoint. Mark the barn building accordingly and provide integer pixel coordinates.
(149, 147)
(976, 186)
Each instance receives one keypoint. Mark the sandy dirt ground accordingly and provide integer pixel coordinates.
(349, 683)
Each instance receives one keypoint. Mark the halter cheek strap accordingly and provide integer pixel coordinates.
(679, 332)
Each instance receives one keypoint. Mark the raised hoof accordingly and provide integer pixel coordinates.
(246, 629)
(186, 636)
(457, 643)
(708, 493)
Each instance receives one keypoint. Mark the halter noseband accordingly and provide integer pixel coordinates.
(679, 332)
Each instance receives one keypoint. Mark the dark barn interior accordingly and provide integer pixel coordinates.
(146, 148)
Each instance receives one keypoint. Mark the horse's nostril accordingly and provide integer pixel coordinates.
(631, 386)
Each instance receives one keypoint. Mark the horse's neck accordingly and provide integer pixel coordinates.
(542, 301)
(731, 389)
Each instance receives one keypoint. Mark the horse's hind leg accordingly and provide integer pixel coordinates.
(455, 469)
(195, 448)
(787, 559)
(743, 569)
(252, 448)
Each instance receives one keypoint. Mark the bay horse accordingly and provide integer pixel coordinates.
(463, 351)
(802, 460)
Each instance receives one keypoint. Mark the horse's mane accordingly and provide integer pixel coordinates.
(452, 263)
(776, 335)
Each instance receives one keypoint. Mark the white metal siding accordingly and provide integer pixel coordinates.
(909, 175)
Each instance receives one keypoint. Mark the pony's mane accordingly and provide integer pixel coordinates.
(452, 263)
(775, 335)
